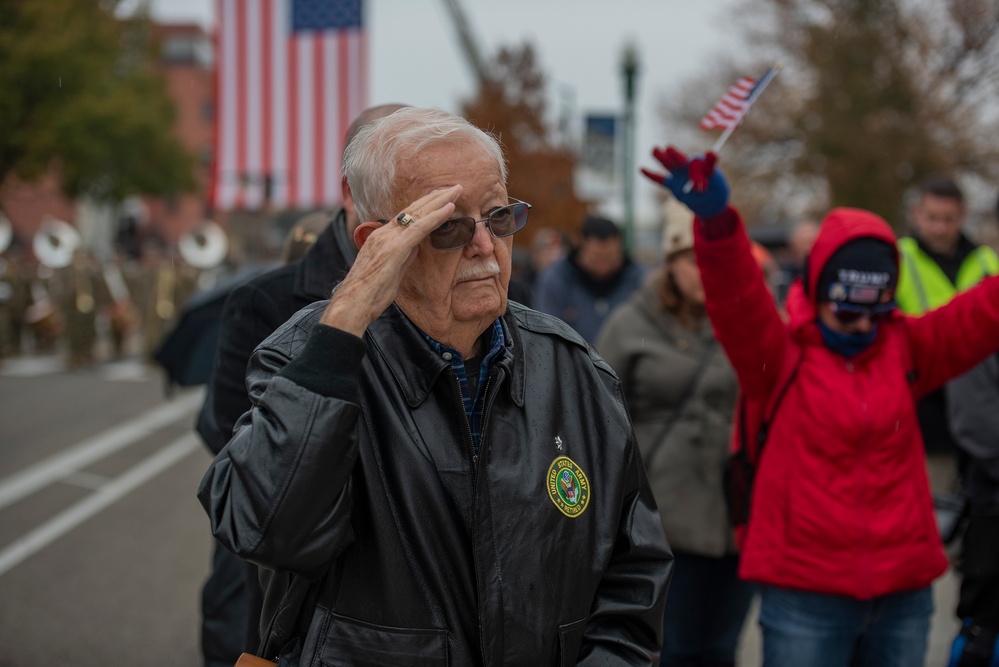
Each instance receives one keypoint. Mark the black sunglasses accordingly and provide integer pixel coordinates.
(458, 232)
(848, 313)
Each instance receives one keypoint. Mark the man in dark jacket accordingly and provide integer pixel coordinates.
(595, 277)
(973, 408)
(457, 474)
(231, 599)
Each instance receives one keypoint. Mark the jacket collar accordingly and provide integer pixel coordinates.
(417, 367)
(327, 261)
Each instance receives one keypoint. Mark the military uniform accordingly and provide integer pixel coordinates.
(83, 294)
(160, 288)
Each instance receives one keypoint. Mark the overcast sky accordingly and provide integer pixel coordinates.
(416, 59)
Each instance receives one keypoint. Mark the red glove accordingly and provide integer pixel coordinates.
(695, 183)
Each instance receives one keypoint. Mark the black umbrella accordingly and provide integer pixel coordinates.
(187, 353)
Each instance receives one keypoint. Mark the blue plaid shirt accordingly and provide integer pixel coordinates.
(473, 404)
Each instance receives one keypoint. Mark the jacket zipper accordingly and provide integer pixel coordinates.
(468, 428)
(475, 494)
(475, 477)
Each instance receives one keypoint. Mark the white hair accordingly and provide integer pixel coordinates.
(369, 163)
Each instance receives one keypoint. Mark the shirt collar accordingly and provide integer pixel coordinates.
(497, 343)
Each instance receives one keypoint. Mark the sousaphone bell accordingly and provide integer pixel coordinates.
(205, 246)
(55, 242)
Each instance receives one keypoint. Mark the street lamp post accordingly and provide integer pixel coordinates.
(629, 70)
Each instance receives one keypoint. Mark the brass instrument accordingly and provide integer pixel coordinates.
(55, 242)
(205, 246)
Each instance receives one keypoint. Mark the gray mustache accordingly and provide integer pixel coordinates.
(487, 269)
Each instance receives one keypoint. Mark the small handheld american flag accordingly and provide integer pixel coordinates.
(729, 111)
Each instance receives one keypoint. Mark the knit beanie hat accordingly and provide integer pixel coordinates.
(863, 272)
(600, 228)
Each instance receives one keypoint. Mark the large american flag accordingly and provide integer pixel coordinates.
(729, 110)
(291, 76)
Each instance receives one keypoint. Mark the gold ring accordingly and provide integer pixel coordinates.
(405, 219)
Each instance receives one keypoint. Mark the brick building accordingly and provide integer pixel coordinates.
(186, 65)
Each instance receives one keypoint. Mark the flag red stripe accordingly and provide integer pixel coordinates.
(267, 157)
(241, 101)
(319, 122)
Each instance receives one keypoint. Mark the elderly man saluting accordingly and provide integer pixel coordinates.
(457, 474)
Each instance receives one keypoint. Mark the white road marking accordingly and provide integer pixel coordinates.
(85, 480)
(68, 461)
(29, 367)
(114, 490)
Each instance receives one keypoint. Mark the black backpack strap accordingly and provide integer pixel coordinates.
(764, 432)
(740, 467)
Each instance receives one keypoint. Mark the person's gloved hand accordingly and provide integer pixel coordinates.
(695, 183)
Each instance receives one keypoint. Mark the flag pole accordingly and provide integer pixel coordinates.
(771, 75)
(764, 82)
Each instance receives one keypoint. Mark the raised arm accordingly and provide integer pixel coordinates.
(950, 340)
(741, 308)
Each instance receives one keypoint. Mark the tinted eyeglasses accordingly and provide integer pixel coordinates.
(458, 232)
(848, 313)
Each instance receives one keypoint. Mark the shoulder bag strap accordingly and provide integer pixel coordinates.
(664, 430)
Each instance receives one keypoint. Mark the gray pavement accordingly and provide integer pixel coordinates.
(103, 546)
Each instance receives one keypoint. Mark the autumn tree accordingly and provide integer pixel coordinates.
(81, 97)
(511, 103)
(875, 96)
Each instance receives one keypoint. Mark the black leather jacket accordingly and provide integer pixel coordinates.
(355, 468)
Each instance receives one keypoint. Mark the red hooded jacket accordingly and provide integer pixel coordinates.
(841, 502)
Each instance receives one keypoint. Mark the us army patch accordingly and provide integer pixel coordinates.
(568, 487)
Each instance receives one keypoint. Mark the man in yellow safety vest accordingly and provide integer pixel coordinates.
(937, 262)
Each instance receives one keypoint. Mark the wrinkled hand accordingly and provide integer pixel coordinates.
(695, 183)
(373, 281)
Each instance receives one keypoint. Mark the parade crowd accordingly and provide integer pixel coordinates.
(429, 453)
(419, 467)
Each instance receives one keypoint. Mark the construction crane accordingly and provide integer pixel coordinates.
(469, 46)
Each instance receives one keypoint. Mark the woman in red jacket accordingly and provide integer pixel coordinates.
(841, 532)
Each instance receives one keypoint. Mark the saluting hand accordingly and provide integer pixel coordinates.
(385, 252)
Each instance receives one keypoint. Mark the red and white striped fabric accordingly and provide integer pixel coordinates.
(730, 109)
(291, 75)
